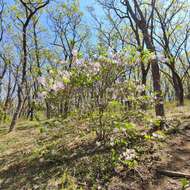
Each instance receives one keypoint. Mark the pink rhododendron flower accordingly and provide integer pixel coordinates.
(94, 67)
(79, 62)
(66, 74)
(42, 95)
(58, 86)
(42, 81)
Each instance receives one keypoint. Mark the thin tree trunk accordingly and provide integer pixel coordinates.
(177, 83)
(179, 91)
(48, 115)
(17, 111)
(20, 102)
(143, 82)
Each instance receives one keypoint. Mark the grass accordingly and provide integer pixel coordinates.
(177, 112)
(59, 154)
(31, 157)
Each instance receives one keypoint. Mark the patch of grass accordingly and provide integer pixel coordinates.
(177, 112)
(34, 154)
(41, 153)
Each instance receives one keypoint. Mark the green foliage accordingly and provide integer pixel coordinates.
(146, 55)
(4, 117)
(68, 182)
(184, 183)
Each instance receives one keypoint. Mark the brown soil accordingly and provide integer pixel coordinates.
(177, 159)
(175, 156)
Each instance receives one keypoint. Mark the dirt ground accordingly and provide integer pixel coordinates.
(177, 159)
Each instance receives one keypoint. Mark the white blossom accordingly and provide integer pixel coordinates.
(98, 143)
(123, 130)
(115, 130)
(156, 135)
(53, 152)
(42, 80)
(140, 88)
(41, 160)
(129, 154)
(79, 62)
(42, 95)
(66, 74)
(58, 86)
(94, 67)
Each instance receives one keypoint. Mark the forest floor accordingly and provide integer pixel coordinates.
(32, 159)
(177, 159)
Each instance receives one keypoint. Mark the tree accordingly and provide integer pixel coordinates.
(169, 34)
(70, 33)
(3, 63)
(31, 8)
(135, 12)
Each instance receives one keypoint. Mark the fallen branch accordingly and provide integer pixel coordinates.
(173, 174)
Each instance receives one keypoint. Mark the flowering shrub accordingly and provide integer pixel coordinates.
(96, 88)
(122, 140)
(98, 91)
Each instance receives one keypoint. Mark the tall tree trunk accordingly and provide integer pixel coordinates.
(17, 111)
(159, 107)
(177, 83)
(144, 73)
(142, 24)
(23, 81)
(178, 86)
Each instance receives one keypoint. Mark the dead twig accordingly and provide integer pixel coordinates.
(173, 174)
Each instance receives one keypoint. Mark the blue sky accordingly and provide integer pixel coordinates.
(83, 4)
(90, 3)
(87, 19)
